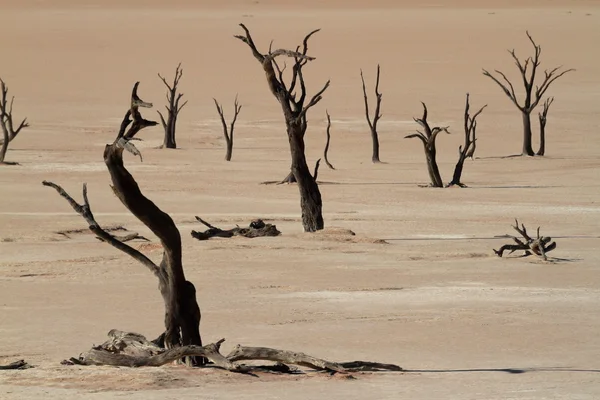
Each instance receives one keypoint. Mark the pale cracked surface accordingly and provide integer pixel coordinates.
(434, 299)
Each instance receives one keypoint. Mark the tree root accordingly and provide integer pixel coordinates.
(257, 228)
(127, 349)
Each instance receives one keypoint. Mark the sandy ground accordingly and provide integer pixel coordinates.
(434, 299)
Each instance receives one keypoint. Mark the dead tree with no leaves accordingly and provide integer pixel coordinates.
(295, 108)
(228, 134)
(376, 116)
(328, 132)
(9, 133)
(533, 92)
(468, 149)
(539, 246)
(182, 314)
(173, 108)
(428, 137)
(543, 119)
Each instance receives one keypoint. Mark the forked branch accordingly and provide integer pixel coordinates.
(543, 119)
(228, 133)
(173, 108)
(539, 246)
(9, 132)
(376, 116)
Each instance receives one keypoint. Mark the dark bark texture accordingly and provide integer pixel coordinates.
(173, 108)
(9, 132)
(292, 98)
(539, 246)
(257, 228)
(528, 70)
(543, 119)
(373, 123)
(428, 137)
(328, 133)
(182, 314)
(468, 149)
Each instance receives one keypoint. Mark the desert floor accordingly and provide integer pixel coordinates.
(434, 299)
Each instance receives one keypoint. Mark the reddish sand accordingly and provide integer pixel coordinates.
(435, 299)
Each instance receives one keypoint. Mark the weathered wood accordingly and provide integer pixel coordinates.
(539, 246)
(373, 123)
(533, 92)
(228, 133)
(468, 149)
(182, 314)
(9, 133)
(257, 228)
(543, 119)
(326, 151)
(173, 108)
(293, 100)
(21, 364)
(428, 137)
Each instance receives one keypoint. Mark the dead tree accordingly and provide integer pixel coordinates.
(533, 92)
(9, 133)
(468, 149)
(257, 228)
(543, 118)
(228, 134)
(173, 108)
(376, 116)
(539, 246)
(182, 314)
(428, 137)
(292, 98)
(326, 151)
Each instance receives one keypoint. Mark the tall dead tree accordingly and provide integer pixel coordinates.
(543, 119)
(292, 98)
(428, 137)
(182, 314)
(376, 116)
(9, 133)
(466, 150)
(533, 92)
(328, 132)
(228, 133)
(173, 108)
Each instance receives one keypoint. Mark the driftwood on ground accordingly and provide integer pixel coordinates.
(21, 364)
(539, 246)
(257, 228)
(134, 350)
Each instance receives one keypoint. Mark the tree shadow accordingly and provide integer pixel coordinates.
(505, 370)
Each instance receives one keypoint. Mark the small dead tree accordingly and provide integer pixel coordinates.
(292, 98)
(173, 108)
(468, 149)
(228, 134)
(428, 137)
(182, 314)
(543, 119)
(326, 151)
(533, 92)
(9, 133)
(376, 116)
(539, 246)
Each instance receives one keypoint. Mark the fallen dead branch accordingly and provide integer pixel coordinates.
(21, 364)
(257, 228)
(128, 349)
(538, 246)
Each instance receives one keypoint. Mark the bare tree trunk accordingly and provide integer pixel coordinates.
(466, 150)
(373, 124)
(173, 109)
(6, 122)
(182, 314)
(533, 92)
(228, 134)
(543, 119)
(294, 110)
(527, 136)
(428, 139)
(328, 132)
(310, 196)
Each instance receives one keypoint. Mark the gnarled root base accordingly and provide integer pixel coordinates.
(539, 246)
(257, 228)
(127, 349)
